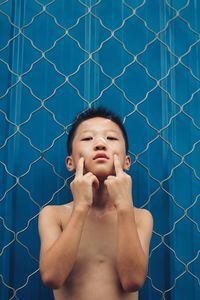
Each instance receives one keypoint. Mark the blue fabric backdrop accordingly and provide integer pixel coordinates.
(139, 58)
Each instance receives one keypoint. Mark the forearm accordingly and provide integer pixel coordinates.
(57, 263)
(131, 260)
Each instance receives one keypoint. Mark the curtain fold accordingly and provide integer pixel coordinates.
(138, 58)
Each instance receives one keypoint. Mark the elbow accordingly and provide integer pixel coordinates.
(130, 285)
(133, 282)
(51, 280)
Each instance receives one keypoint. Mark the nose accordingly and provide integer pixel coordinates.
(100, 144)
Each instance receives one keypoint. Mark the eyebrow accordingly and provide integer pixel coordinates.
(94, 131)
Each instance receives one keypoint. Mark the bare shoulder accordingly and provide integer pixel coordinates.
(49, 209)
(52, 220)
(143, 217)
(56, 213)
(142, 213)
(144, 222)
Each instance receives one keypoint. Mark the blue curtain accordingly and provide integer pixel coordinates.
(139, 58)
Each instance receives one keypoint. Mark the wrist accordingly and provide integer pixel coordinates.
(82, 208)
(122, 207)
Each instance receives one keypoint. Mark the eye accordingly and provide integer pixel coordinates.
(112, 138)
(87, 138)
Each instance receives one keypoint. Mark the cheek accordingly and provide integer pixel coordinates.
(85, 153)
(122, 159)
(82, 153)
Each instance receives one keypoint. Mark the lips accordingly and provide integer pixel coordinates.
(100, 155)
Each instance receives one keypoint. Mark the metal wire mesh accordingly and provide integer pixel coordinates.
(140, 58)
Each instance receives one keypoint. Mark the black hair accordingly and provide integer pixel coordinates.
(93, 113)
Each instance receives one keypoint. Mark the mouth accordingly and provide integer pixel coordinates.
(101, 156)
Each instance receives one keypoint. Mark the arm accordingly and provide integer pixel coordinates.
(133, 239)
(133, 247)
(59, 247)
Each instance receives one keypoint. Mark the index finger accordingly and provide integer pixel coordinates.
(80, 167)
(117, 164)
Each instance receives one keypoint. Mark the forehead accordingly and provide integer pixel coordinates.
(98, 124)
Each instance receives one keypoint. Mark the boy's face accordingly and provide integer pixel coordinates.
(97, 140)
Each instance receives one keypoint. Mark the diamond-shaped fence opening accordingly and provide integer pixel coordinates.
(138, 58)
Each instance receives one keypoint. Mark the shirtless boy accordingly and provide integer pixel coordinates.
(96, 247)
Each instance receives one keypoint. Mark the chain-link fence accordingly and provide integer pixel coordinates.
(139, 58)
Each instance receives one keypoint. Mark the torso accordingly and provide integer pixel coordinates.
(94, 275)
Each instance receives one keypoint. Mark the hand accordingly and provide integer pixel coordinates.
(119, 187)
(82, 186)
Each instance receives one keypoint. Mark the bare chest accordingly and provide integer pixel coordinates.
(99, 239)
(94, 271)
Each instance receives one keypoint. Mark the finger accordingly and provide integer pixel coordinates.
(95, 183)
(92, 179)
(80, 167)
(117, 165)
(109, 179)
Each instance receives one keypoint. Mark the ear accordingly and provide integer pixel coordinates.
(127, 163)
(69, 163)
